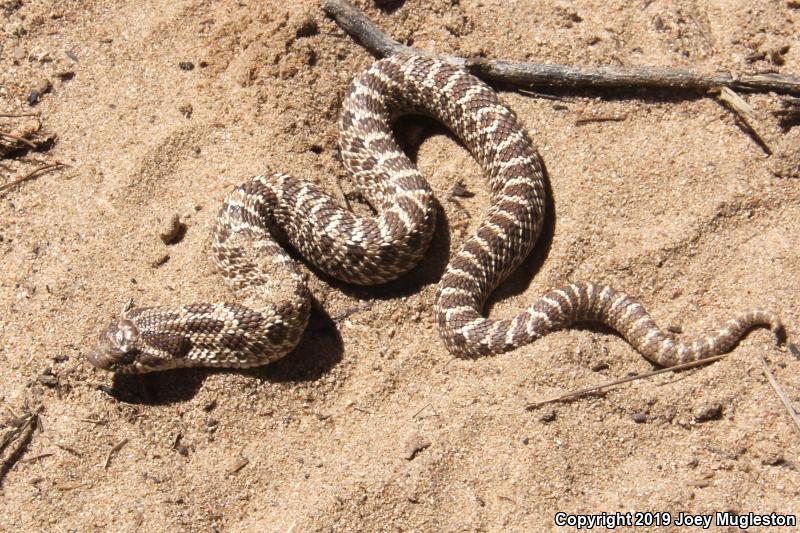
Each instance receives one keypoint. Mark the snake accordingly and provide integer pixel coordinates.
(265, 217)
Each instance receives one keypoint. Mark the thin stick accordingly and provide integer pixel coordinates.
(8, 186)
(589, 120)
(595, 388)
(787, 403)
(37, 457)
(358, 26)
(746, 114)
(66, 448)
(420, 410)
(19, 139)
(117, 447)
(15, 115)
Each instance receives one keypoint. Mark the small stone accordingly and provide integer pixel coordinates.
(548, 415)
(600, 365)
(238, 464)
(186, 65)
(793, 349)
(33, 97)
(18, 54)
(43, 85)
(711, 410)
(160, 261)
(640, 417)
(415, 444)
(769, 454)
(41, 55)
(48, 379)
(776, 55)
(181, 448)
(525, 440)
(460, 191)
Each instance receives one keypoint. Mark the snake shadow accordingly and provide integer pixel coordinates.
(319, 350)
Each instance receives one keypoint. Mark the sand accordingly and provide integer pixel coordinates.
(371, 424)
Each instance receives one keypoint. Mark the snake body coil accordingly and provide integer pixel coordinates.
(273, 311)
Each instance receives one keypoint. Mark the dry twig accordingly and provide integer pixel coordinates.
(787, 403)
(596, 388)
(588, 120)
(8, 186)
(117, 447)
(19, 139)
(746, 116)
(17, 115)
(523, 74)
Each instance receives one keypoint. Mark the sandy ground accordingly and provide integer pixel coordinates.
(370, 424)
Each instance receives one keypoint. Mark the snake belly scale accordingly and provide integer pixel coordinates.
(274, 301)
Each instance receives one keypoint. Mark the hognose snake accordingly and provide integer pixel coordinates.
(272, 313)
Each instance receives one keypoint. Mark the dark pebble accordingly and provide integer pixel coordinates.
(307, 29)
(48, 380)
(160, 261)
(548, 415)
(600, 365)
(639, 418)
(460, 191)
(525, 440)
(793, 349)
(181, 449)
(33, 97)
(186, 65)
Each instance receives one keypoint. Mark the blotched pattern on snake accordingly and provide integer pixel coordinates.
(274, 304)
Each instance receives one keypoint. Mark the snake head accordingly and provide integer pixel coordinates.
(117, 349)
